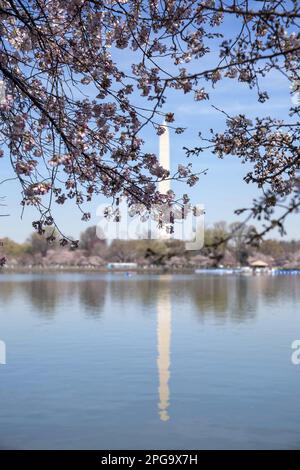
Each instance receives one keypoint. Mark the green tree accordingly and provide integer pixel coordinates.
(12, 248)
(272, 248)
(240, 234)
(216, 241)
(90, 241)
(40, 244)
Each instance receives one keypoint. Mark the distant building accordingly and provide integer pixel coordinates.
(259, 266)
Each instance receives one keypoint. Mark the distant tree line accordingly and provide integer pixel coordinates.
(224, 245)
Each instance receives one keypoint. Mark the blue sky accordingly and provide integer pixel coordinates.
(221, 191)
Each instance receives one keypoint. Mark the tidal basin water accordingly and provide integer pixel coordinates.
(106, 361)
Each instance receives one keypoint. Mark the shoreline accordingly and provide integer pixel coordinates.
(76, 269)
(144, 270)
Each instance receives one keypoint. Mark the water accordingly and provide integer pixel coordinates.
(175, 362)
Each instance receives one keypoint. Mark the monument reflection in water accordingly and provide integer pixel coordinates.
(164, 321)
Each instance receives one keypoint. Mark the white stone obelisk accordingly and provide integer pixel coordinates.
(164, 158)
